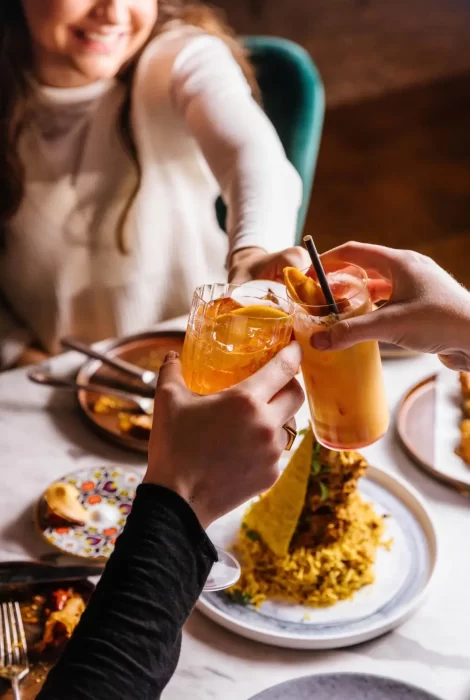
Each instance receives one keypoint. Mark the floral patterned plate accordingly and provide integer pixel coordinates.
(108, 494)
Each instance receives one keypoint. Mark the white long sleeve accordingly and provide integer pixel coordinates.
(262, 189)
(198, 132)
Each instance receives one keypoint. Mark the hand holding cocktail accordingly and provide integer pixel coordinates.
(345, 389)
(428, 310)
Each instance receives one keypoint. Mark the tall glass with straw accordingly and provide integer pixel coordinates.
(345, 388)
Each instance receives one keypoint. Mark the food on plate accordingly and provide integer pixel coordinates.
(108, 404)
(61, 620)
(345, 388)
(463, 449)
(63, 500)
(136, 425)
(311, 539)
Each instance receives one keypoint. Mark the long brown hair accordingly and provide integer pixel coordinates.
(16, 61)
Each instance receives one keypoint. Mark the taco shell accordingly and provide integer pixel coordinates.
(275, 516)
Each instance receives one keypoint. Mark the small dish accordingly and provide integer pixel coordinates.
(146, 350)
(108, 495)
(428, 427)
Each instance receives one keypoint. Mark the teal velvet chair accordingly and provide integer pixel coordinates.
(294, 101)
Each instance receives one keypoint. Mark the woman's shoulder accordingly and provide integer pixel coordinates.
(178, 45)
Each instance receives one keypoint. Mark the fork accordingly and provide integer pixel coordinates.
(40, 377)
(13, 650)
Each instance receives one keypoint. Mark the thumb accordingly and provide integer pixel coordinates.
(170, 374)
(376, 325)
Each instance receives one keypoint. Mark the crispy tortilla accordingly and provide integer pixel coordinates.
(274, 517)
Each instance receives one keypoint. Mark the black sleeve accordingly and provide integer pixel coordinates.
(127, 643)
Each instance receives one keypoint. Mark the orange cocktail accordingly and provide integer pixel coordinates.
(231, 334)
(345, 388)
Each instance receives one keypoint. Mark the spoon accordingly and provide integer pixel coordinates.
(146, 376)
(39, 377)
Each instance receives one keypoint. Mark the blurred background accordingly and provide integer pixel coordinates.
(394, 164)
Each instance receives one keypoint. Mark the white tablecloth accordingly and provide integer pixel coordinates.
(42, 437)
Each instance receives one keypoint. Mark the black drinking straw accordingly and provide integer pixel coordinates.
(316, 262)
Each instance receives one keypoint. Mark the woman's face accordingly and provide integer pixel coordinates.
(77, 42)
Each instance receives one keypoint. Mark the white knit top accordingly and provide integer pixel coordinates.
(198, 133)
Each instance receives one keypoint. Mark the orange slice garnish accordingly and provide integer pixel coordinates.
(259, 311)
(302, 289)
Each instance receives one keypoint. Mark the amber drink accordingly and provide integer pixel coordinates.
(231, 334)
(345, 388)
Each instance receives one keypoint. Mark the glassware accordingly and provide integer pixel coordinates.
(232, 332)
(345, 388)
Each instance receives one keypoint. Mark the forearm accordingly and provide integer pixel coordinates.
(262, 190)
(128, 641)
(263, 194)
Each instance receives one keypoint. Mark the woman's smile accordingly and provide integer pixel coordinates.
(105, 41)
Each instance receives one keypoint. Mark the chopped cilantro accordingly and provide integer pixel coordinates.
(241, 598)
(316, 463)
(252, 535)
(304, 431)
(324, 490)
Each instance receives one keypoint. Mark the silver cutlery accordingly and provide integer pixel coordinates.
(38, 376)
(147, 377)
(14, 664)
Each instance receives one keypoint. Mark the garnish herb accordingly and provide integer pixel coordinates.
(241, 598)
(316, 464)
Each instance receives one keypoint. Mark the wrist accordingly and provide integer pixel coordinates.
(187, 493)
(244, 256)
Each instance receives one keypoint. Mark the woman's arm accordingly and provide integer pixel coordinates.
(262, 189)
(127, 643)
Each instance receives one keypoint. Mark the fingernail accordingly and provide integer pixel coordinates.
(320, 341)
(172, 355)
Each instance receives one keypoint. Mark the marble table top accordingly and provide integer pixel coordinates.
(43, 437)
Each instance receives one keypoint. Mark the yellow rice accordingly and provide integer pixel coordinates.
(313, 577)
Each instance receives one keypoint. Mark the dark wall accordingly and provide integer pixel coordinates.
(366, 47)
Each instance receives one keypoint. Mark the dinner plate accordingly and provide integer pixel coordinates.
(403, 575)
(344, 686)
(147, 350)
(428, 422)
(108, 494)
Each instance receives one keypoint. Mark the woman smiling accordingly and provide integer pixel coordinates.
(122, 122)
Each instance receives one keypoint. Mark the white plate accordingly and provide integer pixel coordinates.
(402, 578)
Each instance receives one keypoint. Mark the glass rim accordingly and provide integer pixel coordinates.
(327, 306)
(287, 300)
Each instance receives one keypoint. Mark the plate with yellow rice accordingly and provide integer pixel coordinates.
(336, 553)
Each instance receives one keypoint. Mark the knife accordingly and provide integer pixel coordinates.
(27, 573)
(147, 377)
